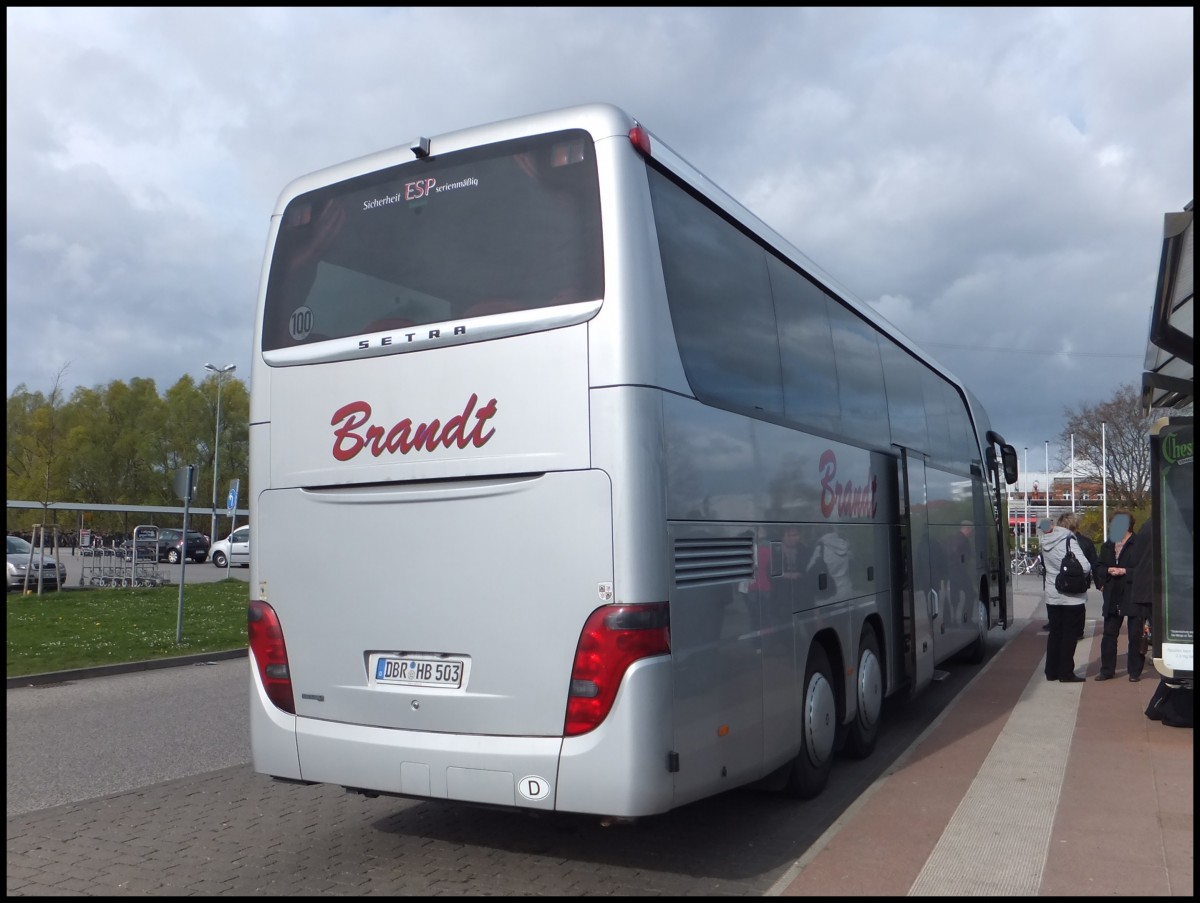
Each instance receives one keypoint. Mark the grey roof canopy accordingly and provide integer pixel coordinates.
(1170, 351)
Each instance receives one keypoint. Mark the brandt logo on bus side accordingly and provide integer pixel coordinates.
(356, 432)
(846, 498)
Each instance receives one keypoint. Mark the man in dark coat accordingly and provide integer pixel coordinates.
(1139, 599)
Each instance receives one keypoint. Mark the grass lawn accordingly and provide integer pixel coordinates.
(104, 626)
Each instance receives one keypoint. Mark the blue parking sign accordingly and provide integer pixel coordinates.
(233, 495)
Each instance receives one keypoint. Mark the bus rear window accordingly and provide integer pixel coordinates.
(506, 227)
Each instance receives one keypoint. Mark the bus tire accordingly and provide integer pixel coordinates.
(975, 653)
(862, 732)
(818, 729)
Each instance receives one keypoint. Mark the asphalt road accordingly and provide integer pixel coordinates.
(79, 567)
(82, 739)
(202, 573)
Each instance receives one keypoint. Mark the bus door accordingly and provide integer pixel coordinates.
(920, 601)
(999, 552)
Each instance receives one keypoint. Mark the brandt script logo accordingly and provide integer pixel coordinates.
(845, 498)
(356, 432)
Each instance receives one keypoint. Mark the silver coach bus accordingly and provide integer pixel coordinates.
(663, 510)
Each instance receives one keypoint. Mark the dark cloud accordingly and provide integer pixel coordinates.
(992, 180)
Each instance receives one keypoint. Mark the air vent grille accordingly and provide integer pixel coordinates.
(700, 561)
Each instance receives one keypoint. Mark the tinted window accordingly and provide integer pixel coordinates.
(964, 449)
(860, 377)
(720, 301)
(936, 415)
(905, 396)
(757, 334)
(510, 226)
(810, 393)
(951, 439)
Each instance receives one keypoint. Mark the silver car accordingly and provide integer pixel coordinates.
(24, 564)
(233, 549)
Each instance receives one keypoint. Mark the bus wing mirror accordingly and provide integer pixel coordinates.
(1008, 457)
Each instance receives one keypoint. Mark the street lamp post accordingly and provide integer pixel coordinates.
(1104, 480)
(220, 371)
(1026, 524)
(1047, 479)
(1072, 471)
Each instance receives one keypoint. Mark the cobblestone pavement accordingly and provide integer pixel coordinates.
(1007, 791)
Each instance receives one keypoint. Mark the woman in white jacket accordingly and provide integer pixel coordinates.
(1065, 612)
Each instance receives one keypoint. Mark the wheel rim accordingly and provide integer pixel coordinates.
(870, 688)
(820, 719)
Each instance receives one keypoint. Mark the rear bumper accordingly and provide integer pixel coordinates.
(619, 769)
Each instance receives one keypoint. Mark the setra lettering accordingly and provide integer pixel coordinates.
(354, 431)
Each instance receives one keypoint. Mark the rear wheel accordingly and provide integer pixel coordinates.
(818, 729)
(864, 729)
(974, 654)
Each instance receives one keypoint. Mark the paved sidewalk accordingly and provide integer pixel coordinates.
(1023, 787)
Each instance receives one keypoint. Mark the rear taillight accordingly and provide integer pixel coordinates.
(614, 637)
(640, 139)
(266, 643)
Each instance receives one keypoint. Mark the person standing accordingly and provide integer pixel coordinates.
(1070, 520)
(1139, 599)
(1116, 562)
(1066, 612)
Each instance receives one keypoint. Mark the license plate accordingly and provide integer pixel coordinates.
(415, 671)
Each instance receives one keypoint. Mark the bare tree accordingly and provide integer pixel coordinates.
(1113, 436)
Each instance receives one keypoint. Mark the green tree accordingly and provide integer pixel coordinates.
(36, 459)
(121, 444)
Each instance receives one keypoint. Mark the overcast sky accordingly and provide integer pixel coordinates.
(994, 181)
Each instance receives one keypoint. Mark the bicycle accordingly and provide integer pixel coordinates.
(1028, 563)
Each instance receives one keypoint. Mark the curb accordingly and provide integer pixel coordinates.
(58, 677)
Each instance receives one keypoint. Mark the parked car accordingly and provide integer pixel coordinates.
(233, 549)
(24, 561)
(171, 546)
